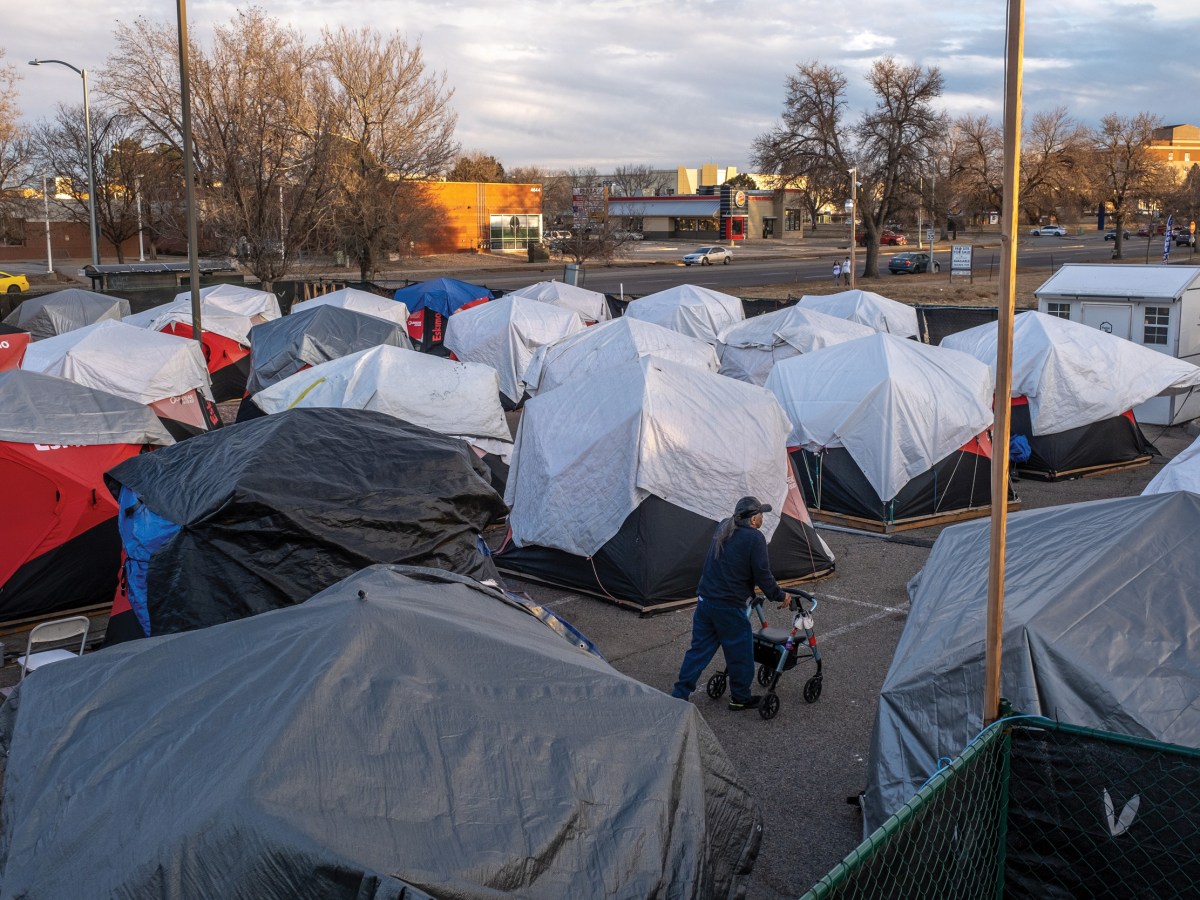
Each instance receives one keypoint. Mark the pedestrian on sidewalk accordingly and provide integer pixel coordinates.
(837, 274)
(846, 271)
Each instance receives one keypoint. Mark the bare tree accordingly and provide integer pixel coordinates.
(1123, 171)
(976, 163)
(634, 181)
(594, 234)
(885, 146)
(476, 166)
(15, 154)
(1052, 157)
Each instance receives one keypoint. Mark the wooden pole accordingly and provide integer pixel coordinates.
(1015, 51)
(189, 171)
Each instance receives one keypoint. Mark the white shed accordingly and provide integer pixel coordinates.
(1156, 306)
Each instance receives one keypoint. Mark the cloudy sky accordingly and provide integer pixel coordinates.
(684, 82)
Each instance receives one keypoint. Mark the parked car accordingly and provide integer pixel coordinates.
(1144, 230)
(627, 235)
(1048, 230)
(11, 284)
(706, 256)
(892, 238)
(1185, 239)
(909, 263)
(1112, 235)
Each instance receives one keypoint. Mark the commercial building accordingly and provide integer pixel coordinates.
(1176, 146)
(469, 216)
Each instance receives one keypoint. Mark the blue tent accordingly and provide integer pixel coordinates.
(441, 295)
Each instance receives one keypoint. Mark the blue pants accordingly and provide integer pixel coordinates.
(718, 625)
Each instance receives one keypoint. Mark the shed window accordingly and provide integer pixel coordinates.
(1157, 319)
(1062, 310)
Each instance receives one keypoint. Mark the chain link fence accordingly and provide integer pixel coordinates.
(1039, 809)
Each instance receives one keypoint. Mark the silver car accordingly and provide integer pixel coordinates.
(706, 256)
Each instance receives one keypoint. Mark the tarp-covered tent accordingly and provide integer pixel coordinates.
(698, 312)
(431, 303)
(1181, 474)
(748, 350)
(618, 481)
(1074, 388)
(887, 429)
(59, 547)
(260, 515)
(65, 310)
(592, 306)
(162, 371)
(359, 301)
(405, 734)
(1100, 630)
(504, 334)
(226, 318)
(603, 346)
(285, 346)
(14, 342)
(885, 315)
(452, 398)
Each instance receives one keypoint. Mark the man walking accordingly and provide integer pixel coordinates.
(837, 273)
(846, 271)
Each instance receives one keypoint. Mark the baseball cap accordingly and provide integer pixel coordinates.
(749, 506)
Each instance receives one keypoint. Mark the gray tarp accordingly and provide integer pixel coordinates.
(44, 409)
(431, 734)
(64, 311)
(1101, 629)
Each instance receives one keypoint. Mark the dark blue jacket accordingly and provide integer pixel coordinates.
(730, 578)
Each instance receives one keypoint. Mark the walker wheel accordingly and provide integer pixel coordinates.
(716, 686)
(769, 707)
(764, 675)
(812, 689)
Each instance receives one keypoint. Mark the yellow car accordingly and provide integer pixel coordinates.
(13, 283)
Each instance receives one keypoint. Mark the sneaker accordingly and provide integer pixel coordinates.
(752, 703)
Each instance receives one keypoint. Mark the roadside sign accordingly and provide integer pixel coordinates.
(960, 259)
(929, 235)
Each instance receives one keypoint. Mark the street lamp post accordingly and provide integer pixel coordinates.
(853, 224)
(137, 189)
(87, 133)
(46, 201)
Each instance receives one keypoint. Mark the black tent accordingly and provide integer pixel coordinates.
(1106, 444)
(262, 514)
(407, 733)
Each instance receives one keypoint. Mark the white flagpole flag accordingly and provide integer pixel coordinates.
(1167, 236)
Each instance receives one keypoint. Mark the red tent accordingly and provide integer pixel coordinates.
(13, 342)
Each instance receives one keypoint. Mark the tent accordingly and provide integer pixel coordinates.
(226, 320)
(619, 480)
(284, 346)
(262, 514)
(1100, 614)
(595, 350)
(885, 430)
(695, 311)
(1181, 474)
(453, 398)
(65, 310)
(749, 349)
(1073, 391)
(14, 342)
(59, 547)
(431, 303)
(592, 306)
(359, 301)
(866, 308)
(162, 371)
(404, 734)
(504, 334)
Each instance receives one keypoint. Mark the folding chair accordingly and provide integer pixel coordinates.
(57, 632)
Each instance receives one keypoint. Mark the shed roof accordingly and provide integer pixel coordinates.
(1106, 280)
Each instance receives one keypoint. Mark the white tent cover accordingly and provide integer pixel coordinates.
(897, 406)
(454, 398)
(867, 308)
(131, 362)
(231, 313)
(698, 312)
(1181, 474)
(505, 333)
(238, 298)
(1074, 374)
(749, 349)
(601, 347)
(589, 452)
(359, 301)
(592, 306)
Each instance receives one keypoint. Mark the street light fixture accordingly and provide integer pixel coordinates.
(87, 131)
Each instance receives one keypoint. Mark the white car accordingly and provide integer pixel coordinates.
(706, 256)
(1047, 230)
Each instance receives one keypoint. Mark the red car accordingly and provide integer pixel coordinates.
(886, 237)
(1144, 231)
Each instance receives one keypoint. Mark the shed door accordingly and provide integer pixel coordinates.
(1114, 318)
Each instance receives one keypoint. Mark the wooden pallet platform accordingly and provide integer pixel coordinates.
(1086, 471)
(877, 527)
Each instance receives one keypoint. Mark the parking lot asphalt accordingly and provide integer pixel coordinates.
(802, 765)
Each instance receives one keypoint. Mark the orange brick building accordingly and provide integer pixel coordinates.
(472, 216)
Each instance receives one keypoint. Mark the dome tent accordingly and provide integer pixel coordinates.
(1100, 616)
(698, 312)
(421, 770)
(597, 349)
(431, 303)
(592, 306)
(885, 315)
(1182, 473)
(62, 311)
(618, 482)
(748, 350)
(887, 432)
(59, 547)
(1074, 388)
(359, 301)
(259, 515)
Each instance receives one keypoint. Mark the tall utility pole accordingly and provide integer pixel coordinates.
(46, 201)
(1004, 343)
(853, 225)
(189, 171)
(137, 189)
